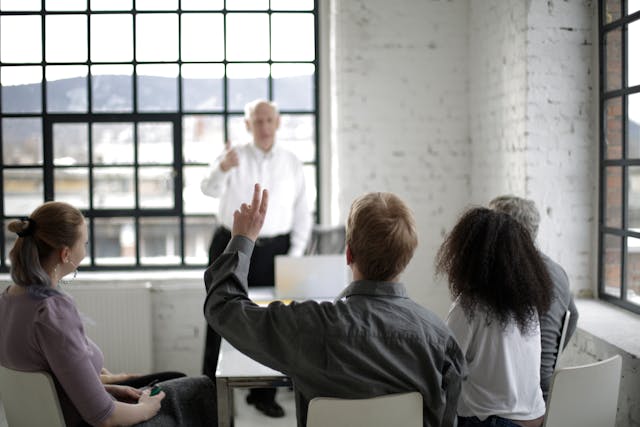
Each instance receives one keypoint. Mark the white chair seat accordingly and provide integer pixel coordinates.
(585, 396)
(404, 409)
(30, 399)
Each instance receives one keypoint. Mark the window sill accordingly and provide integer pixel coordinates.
(611, 324)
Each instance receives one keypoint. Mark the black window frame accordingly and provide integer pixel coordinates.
(177, 211)
(609, 22)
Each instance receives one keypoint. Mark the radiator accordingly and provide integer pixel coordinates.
(117, 317)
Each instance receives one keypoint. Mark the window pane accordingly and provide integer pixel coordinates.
(21, 89)
(292, 37)
(20, 39)
(197, 237)
(613, 128)
(159, 241)
(157, 87)
(113, 188)
(195, 202)
(202, 138)
(111, 4)
(65, 5)
(310, 183)
(20, 5)
(613, 55)
(613, 203)
(155, 143)
(633, 52)
(633, 270)
(202, 87)
(612, 264)
(292, 4)
(71, 185)
(237, 129)
(202, 37)
(156, 187)
(293, 86)
(633, 126)
(202, 4)
(634, 197)
(247, 4)
(112, 143)
(243, 48)
(115, 241)
(156, 4)
(70, 144)
(157, 37)
(9, 240)
(633, 6)
(297, 134)
(66, 88)
(246, 83)
(613, 10)
(108, 45)
(22, 141)
(66, 38)
(23, 191)
(112, 88)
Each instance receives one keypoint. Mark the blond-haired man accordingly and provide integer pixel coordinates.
(375, 341)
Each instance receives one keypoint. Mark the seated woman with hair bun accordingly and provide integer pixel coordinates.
(499, 284)
(42, 331)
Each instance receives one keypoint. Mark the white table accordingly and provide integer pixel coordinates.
(237, 370)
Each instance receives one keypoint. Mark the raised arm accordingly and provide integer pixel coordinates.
(213, 183)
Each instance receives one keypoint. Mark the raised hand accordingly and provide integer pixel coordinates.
(230, 159)
(248, 220)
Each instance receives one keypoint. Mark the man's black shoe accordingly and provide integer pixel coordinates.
(270, 409)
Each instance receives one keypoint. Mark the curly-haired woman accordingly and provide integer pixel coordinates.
(499, 284)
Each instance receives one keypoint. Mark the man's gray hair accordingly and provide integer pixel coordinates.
(523, 210)
(250, 107)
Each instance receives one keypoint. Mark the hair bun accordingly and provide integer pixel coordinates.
(27, 230)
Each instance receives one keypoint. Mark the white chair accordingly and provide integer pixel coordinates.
(403, 409)
(563, 337)
(30, 399)
(585, 396)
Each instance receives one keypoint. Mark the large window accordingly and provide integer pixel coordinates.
(118, 106)
(619, 254)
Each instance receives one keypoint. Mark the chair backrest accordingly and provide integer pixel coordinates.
(563, 337)
(30, 399)
(585, 396)
(404, 409)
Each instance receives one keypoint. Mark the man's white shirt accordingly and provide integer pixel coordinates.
(277, 170)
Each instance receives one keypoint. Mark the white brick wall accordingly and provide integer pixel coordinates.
(401, 116)
(449, 103)
(532, 128)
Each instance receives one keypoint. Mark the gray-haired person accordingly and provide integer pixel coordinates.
(551, 322)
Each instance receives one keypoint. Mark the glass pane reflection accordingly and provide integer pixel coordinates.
(70, 144)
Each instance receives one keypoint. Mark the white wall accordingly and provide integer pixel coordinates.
(453, 103)
(401, 116)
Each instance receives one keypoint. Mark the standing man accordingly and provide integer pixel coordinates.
(374, 341)
(231, 177)
(525, 212)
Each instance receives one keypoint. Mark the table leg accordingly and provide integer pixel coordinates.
(225, 403)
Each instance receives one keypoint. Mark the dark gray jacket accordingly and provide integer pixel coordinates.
(377, 341)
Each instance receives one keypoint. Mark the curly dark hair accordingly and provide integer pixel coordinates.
(492, 264)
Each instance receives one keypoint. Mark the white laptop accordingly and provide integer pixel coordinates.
(319, 277)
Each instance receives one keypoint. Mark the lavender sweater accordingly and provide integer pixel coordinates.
(47, 335)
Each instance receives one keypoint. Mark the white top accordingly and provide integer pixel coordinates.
(504, 368)
(277, 170)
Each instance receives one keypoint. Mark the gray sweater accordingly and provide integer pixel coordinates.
(552, 321)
